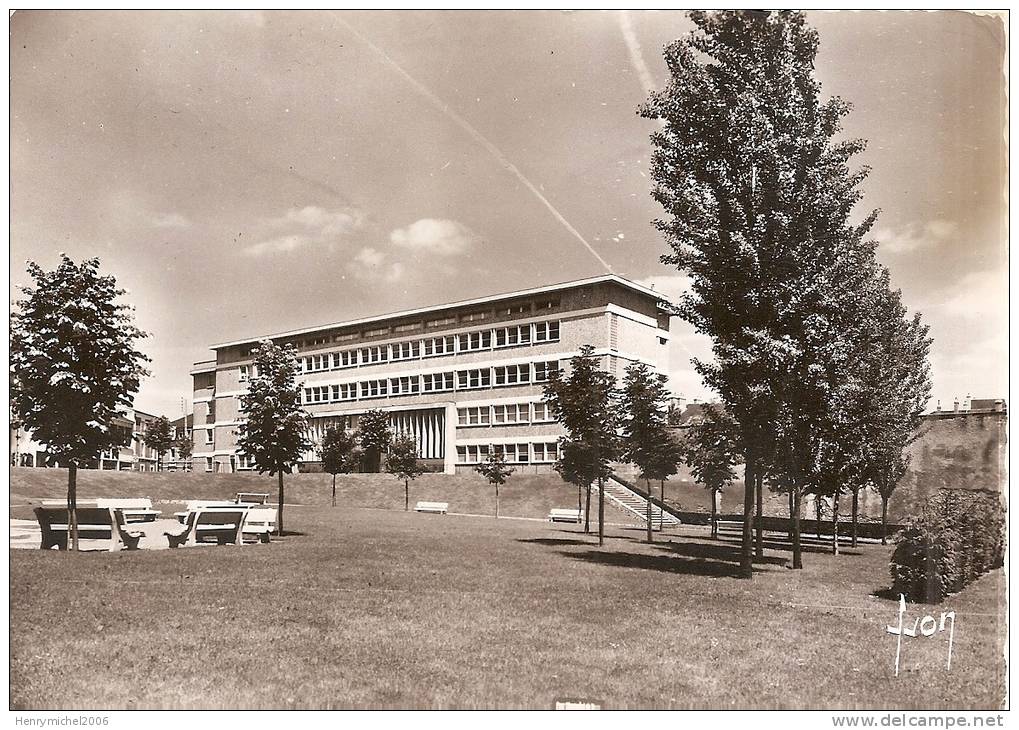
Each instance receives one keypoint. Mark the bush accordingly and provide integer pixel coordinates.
(957, 537)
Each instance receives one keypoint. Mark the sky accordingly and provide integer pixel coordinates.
(245, 173)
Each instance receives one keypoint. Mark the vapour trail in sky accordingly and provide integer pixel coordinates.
(478, 137)
(636, 54)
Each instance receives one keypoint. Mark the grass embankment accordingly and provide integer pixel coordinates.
(372, 608)
(523, 495)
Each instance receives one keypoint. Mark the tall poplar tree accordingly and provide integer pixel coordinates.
(74, 365)
(273, 432)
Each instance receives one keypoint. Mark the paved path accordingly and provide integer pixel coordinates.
(25, 534)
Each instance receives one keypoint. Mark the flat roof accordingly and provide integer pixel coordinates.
(632, 285)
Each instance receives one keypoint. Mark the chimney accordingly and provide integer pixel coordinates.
(955, 405)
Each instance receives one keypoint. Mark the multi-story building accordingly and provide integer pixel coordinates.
(132, 454)
(463, 378)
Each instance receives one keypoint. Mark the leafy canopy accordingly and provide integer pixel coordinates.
(73, 359)
(338, 451)
(402, 459)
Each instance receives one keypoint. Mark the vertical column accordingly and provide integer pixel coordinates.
(449, 440)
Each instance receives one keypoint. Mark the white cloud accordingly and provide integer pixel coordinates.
(914, 236)
(170, 220)
(306, 227)
(434, 235)
(373, 265)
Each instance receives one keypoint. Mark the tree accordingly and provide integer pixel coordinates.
(339, 453)
(760, 195)
(184, 448)
(578, 465)
(711, 452)
(644, 405)
(374, 436)
(159, 438)
(495, 470)
(74, 364)
(666, 454)
(402, 462)
(585, 405)
(272, 434)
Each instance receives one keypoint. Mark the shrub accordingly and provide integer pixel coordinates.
(956, 538)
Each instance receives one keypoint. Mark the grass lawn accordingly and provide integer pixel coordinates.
(380, 608)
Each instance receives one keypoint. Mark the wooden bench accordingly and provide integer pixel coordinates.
(134, 509)
(259, 522)
(94, 523)
(439, 508)
(566, 515)
(251, 498)
(223, 524)
(195, 504)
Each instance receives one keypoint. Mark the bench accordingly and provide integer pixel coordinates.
(135, 510)
(219, 523)
(251, 498)
(439, 508)
(94, 523)
(565, 515)
(195, 504)
(260, 522)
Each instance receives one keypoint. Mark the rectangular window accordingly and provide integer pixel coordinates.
(512, 374)
(442, 322)
(347, 337)
(542, 413)
(434, 346)
(371, 355)
(436, 382)
(209, 437)
(510, 336)
(316, 363)
(374, 388)
(407, 327)
(347, 391)
(208, 463)
(472, 454)
(472, 341)
(245, 462)
(467, 379)
(245, 370)
(546, 332)
(406, 350)
(546, 452)
(404, 386)
(376, 332)
(345, 359)
(317, 394)
(543, 370)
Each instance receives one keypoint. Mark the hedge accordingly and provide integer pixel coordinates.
(957, 537)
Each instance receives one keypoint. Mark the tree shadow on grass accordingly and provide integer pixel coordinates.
(555, 541)
(718, 551)
(661, 563)
(807, 546)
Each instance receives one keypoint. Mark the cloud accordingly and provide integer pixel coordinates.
(914, 236)
(373, 265)
(305, 227)
(170, 220)
(434, 235)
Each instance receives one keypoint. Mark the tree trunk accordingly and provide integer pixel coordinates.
(601, 511)
(791, 508)
(496, 501)
(856, 512)
(835, 524)
(279, 511)
(759, 537)
(406, 496)
(587, 512)
(647, 483)
(72, 506)
(580, 499)
(817, 514)
(714, 513)
(797, 551)
(884, 520)
(746, 563)
(334, 490)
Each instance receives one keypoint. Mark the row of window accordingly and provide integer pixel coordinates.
(504, 414)
(515, 336)
(470, 379)
(543, 452)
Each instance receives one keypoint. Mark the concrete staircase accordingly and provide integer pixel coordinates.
(622, 497)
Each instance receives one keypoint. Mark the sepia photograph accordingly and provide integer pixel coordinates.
(509, 360)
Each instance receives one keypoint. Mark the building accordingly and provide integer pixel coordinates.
(463, 378)
(180, 428)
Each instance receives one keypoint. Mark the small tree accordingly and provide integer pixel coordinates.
(339, 453)
(664, 458)
(184, 448)
(74, 364)
(577, 465)
(711, 452)
(273, 433)
(644, 406)
(375, 437)
(585, 404)
(402, 462)
(159, 438)
(495, 470)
